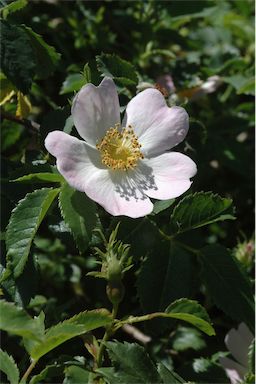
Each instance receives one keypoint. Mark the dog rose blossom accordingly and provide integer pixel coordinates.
(122, 165)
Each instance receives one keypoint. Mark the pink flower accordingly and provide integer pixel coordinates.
(237, 342)
(121, 166)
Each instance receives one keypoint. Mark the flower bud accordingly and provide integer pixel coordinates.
(114, 269)
(115, 292)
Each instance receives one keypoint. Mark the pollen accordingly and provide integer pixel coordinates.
(120, 148)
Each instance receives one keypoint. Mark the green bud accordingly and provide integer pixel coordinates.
(115, 292)
(114, 269)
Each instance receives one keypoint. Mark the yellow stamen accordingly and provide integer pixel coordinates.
(120, 150)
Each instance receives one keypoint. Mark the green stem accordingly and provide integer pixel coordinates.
(109, 332)
(28, 371)
(139, 319)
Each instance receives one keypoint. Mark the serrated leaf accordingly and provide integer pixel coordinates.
(120, 70)
(168, 376)
(16, 321)
(228, 286)
(76, 375)
(132, 363)
(161, 205)
(17, 56)
(75, 326)
(23, 225)
(43, 177)
(13, 7)
(192, 312)
(46, 57)
(79, 213)
(174, 279)
(199, 209)
(72, 83)
(201, 365)
(9, 367)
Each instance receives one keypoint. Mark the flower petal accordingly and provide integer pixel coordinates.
(238, 342)
(96, 109)
(82, 168)
(158, 127)
(75, 159)
(172, 172)
(114, 192)
(234, 371)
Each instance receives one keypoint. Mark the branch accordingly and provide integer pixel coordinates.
(32, 125)
(136, 334)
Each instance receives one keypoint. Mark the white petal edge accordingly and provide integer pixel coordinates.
(234, 371)
(172, 172)
(111, 193)
(158, 127)
(238, 342)
(75, 159)
(95, 110)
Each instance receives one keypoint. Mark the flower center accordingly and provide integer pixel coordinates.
(120, 150)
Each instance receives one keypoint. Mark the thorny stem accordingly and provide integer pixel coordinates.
(28, 371)
(109, 331)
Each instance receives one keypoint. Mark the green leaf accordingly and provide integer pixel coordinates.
(72, 83)
(23, 225)
(79, 213)
(199, 209)
(109, 374)
(186, 338)
(43, 177)
(16, 321)
(174, 279)
(75, 326)
(46, 57)
(248, 88)
(132, 363)
(161, 205)
(228, 286)
(9, 367)
(68, 125)
(87, 73)
(54, 370)
(242, 84)
(13, 7)
(192, 312)
(168, 376)
(76, 375)
(120, 70)
(17, 56)
(251, 357)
